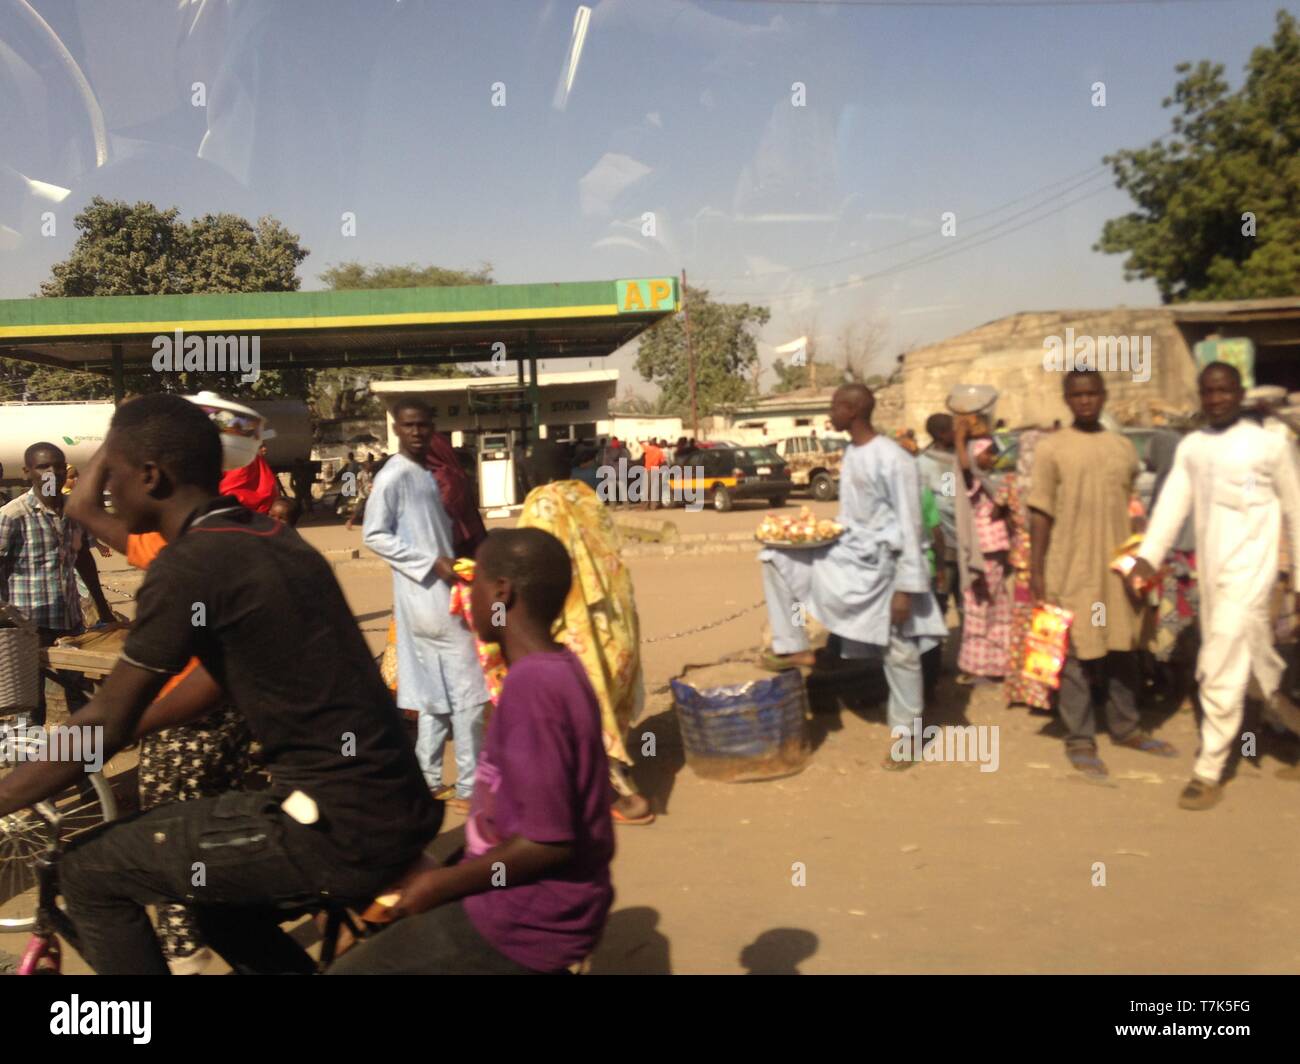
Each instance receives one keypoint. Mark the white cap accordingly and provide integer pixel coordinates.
(242, 428)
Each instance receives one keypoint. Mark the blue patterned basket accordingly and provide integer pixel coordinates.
(748, 731)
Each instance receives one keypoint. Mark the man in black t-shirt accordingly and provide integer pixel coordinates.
(348, 810)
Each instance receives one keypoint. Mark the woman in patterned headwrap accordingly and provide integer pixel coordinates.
(1012, 494)
(599, 623)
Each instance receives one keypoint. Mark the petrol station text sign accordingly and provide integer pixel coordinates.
(651, 293)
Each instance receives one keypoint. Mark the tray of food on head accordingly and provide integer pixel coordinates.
(801, 532)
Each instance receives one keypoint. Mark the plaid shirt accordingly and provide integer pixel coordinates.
(38, 563)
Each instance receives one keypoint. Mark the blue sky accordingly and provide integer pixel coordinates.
(683, 109)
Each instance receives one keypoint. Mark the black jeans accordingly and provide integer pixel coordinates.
(237, 860)
(441, 941)
(1112, 681)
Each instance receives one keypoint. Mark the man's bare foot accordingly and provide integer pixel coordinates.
(773, 662)
(632, 809)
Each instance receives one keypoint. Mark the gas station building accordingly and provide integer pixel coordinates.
(509, 327)
(570, 405)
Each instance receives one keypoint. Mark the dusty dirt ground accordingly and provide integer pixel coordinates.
(942, 868)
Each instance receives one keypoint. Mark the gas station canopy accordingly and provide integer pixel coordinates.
(365, 327)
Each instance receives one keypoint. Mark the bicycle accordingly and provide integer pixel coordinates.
(31, 841)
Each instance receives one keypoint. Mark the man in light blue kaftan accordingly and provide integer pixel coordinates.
(851, 585)
(438, 672)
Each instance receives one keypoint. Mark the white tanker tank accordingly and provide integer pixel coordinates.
(80, 428)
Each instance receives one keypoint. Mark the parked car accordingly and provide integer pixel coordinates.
(726, 474)
(814, 463)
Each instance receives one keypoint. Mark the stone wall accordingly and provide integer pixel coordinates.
(890, 412)
(1008, 354)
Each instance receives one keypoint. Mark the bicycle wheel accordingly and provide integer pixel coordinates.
(24, 835)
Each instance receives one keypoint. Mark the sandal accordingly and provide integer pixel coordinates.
(1148, 744)
(622, 818)
(896, 764)
(1199, 795)
(1085, 759)
(771, 661)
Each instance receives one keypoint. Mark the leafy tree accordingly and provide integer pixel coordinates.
(1218, 200)
(351, 275)
(789, 378)
(142, 250)
(725, 352)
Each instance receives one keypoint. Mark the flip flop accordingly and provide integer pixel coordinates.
(773, 662)
(620, 818)
(1148, 744)
(1085, 759)
(892, 764)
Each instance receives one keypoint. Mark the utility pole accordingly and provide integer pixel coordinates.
(690, 358)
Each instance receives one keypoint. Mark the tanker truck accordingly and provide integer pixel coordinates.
(79, 428)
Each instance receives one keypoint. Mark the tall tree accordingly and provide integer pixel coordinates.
(125, 249)
(1218, 199)
(725, 351)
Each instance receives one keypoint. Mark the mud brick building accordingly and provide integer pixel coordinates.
(1009, 353)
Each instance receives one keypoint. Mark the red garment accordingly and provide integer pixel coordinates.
(467, 528)
(254, 485)
(654, 456)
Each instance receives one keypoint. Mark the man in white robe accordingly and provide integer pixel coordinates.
(872, 586)
(438, 672)
(1238, 481)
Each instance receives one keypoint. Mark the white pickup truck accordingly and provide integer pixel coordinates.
(814, 463)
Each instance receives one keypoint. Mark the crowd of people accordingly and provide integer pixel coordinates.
(522, 648)
(1050, 532)
(243, 644)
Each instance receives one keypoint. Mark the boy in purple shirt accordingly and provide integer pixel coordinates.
(533, 890)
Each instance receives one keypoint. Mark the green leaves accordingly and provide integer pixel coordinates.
(125, 250)
(1218, 201)
(725, 354)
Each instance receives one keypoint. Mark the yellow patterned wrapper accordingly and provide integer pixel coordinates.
(1046, 644)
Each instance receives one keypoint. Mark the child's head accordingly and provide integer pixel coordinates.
(285, 510)
(522, 575)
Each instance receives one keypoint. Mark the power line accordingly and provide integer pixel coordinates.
(1078, 179)
(990, 234)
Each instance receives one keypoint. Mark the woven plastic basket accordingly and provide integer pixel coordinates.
(747, 731)
(20, 661)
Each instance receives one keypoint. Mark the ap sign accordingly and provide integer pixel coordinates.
(637, 297)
